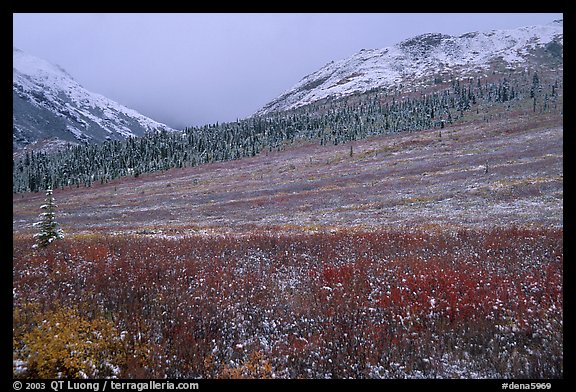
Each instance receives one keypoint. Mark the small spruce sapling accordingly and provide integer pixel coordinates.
(49, 228)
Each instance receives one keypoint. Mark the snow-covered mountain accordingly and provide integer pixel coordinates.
(419, 59)
(50, 107)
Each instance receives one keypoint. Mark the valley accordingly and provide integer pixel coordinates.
(395, 215)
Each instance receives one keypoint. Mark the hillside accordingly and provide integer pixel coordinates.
(50, 109)
(434, 177)
(427, 59)
(318, 261)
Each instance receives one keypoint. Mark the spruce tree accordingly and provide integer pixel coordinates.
(49, 228)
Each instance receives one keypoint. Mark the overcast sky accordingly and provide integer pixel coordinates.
(194, 69)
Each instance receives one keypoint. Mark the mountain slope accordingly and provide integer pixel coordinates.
(418, 60)
(401, 180)
(48, 104)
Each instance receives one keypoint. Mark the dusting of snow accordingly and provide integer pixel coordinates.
(19, 367)
(414, 58)
(50, 87)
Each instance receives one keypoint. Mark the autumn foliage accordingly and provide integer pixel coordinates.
(379, 304)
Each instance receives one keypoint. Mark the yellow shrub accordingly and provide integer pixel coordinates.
(64, 344)
(255, 366)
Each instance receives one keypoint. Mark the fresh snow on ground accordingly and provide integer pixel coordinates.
(50, 87)
(412, 59)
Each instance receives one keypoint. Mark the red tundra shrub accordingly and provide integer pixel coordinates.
(465, 303)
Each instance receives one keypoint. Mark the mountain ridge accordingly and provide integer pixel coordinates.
(421, 58)
(51, 108)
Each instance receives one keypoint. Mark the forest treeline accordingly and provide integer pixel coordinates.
(331, 121)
